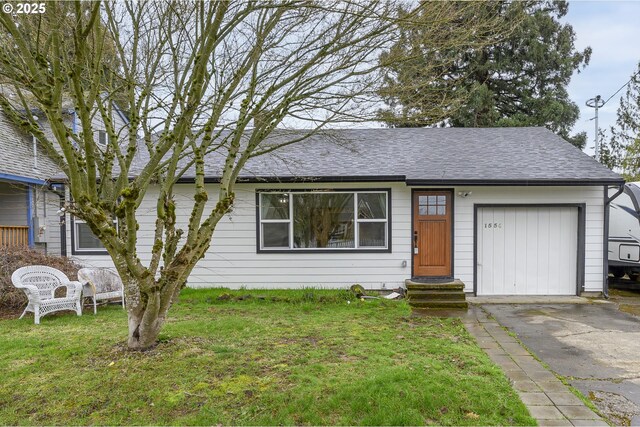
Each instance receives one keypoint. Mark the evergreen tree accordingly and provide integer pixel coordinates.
(519, 79)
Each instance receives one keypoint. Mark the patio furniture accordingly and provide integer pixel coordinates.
(40, 282)
(101, 284)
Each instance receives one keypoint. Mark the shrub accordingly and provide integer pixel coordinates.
(13, 258)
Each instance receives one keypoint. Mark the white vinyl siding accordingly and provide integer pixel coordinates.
(99, 128)
(47, 204)
(527, 250)
(233, 259)
(44, 206)
(13, 209)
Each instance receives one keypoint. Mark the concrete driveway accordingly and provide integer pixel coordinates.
(595, 347)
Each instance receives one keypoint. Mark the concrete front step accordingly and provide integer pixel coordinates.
(429, 295)
(436, 294)
(439, 304)
(454, 285)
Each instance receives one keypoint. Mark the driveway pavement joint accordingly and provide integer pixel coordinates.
(548, 400)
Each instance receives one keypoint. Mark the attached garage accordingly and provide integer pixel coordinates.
(529, 250)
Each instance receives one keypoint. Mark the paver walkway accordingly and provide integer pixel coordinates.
(549, 401)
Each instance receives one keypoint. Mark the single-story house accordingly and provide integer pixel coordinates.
(508, 211)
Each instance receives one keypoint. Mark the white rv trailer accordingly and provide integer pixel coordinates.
(624, 233)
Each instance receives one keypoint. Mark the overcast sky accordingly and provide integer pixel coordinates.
(612, 29)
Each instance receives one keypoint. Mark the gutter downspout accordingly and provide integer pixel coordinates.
(605, 239)
(61, 192)
(35, 152)
(63, 197)
(30, 215)
(35, 146)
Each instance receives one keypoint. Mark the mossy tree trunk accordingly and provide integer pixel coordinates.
(194, 79)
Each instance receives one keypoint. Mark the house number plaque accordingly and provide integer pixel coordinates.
(492, 225)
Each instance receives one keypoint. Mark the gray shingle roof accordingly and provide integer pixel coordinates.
(16, 154)
(425, 155)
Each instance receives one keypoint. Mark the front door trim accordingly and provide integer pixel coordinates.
(453, 236)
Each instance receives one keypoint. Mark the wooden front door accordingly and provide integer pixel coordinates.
(432, 233)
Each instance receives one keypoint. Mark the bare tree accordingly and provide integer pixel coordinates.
(195, 78)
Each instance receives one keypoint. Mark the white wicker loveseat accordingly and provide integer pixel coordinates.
(101, 284)
(40, 282)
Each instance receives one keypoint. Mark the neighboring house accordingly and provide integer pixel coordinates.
(509, 211)
(29, 202)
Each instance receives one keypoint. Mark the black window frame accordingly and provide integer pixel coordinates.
(387, 249)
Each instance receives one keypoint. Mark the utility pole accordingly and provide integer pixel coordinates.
(596, 103)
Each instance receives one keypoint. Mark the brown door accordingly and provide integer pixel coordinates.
(432, 233)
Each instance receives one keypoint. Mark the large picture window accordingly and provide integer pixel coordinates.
(324, 220)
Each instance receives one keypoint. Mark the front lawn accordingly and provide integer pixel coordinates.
(292, 357)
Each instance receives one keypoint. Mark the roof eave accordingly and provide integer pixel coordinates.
(400, 178)
(294, 179)
(517, 182)
(417, 182)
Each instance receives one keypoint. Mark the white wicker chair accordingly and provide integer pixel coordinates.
(40, 282)
(100, 284)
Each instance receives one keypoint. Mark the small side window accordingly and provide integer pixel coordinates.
(102, 137)
(83, 240)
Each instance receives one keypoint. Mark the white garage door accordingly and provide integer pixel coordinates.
(527, 251)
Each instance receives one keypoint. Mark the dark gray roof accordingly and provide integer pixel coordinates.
(526, 155)
(417, 156)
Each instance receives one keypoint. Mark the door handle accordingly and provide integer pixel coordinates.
(415, 242)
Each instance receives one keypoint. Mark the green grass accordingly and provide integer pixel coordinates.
(294, 357)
